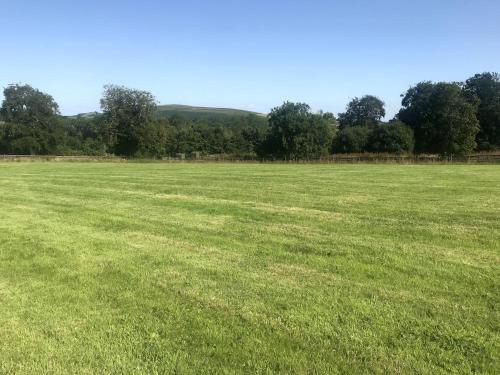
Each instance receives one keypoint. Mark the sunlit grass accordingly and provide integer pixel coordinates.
(228, 268)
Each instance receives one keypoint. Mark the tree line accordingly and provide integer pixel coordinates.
(446, 118)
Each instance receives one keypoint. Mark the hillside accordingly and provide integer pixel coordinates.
(85, 115)
(190, 112)
(201, 112)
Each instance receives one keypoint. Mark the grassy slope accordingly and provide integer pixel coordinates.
(190, 111)
(224, 268)
(168, 110)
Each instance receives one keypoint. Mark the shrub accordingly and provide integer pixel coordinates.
(351, 140)
(394, 137)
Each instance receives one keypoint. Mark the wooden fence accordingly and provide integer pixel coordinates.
(486, 157)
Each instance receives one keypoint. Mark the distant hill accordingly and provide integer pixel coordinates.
(201, 112)
(85, 115)
(190, 112)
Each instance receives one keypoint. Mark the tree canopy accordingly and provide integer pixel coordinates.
(129, 113)
(28, 106)
(296, 133)
(435, 118)
(367, 111)
(351, 140)
(30, 118)
(442, 118)
(486, 88)
(394, 137)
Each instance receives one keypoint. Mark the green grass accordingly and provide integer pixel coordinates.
(246, 268)
(191, 112)
(196, 112)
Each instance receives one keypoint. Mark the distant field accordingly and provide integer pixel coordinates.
(228, 268)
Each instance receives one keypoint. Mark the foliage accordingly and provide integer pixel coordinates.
(486, 88)
(129, 113)
(351, 140)
(29, 121)
(443, 120)
(394, 137)
(296, 133)
(154, 140)
(27, 106)
(235, 135)
(367, 111)
(85, 135)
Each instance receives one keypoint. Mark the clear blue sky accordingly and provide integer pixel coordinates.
(245, 54)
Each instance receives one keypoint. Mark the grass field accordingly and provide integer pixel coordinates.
(247, 268)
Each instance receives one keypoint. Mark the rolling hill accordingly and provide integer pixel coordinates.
(197, 112)
(190, 112)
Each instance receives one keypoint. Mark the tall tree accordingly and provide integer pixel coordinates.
(367, 111)
(26, 105)
(30, 118)
(486, 88)
(129, 113)
(442, 118)
(296, 133)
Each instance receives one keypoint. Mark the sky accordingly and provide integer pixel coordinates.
(251, 54)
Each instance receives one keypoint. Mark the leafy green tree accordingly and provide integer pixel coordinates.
(18, 139)
(351, 140)
(85, 135)
(188, 140)
(254, 140)
(129, 113)
(486, 88)
(365, 111)
(296, 133)
(394, 137)
(30, 118)
(154, 140)
(27, 106)
(442, 118)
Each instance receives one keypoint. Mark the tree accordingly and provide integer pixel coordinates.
(486, 88)
(394, 137)
(188, 140)
(154, 140)
(27, 106)
(442, 118)
(296, 133)
(367, 111)
(85, 134)
(128, 114)
(351, 140)
(30, 118)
